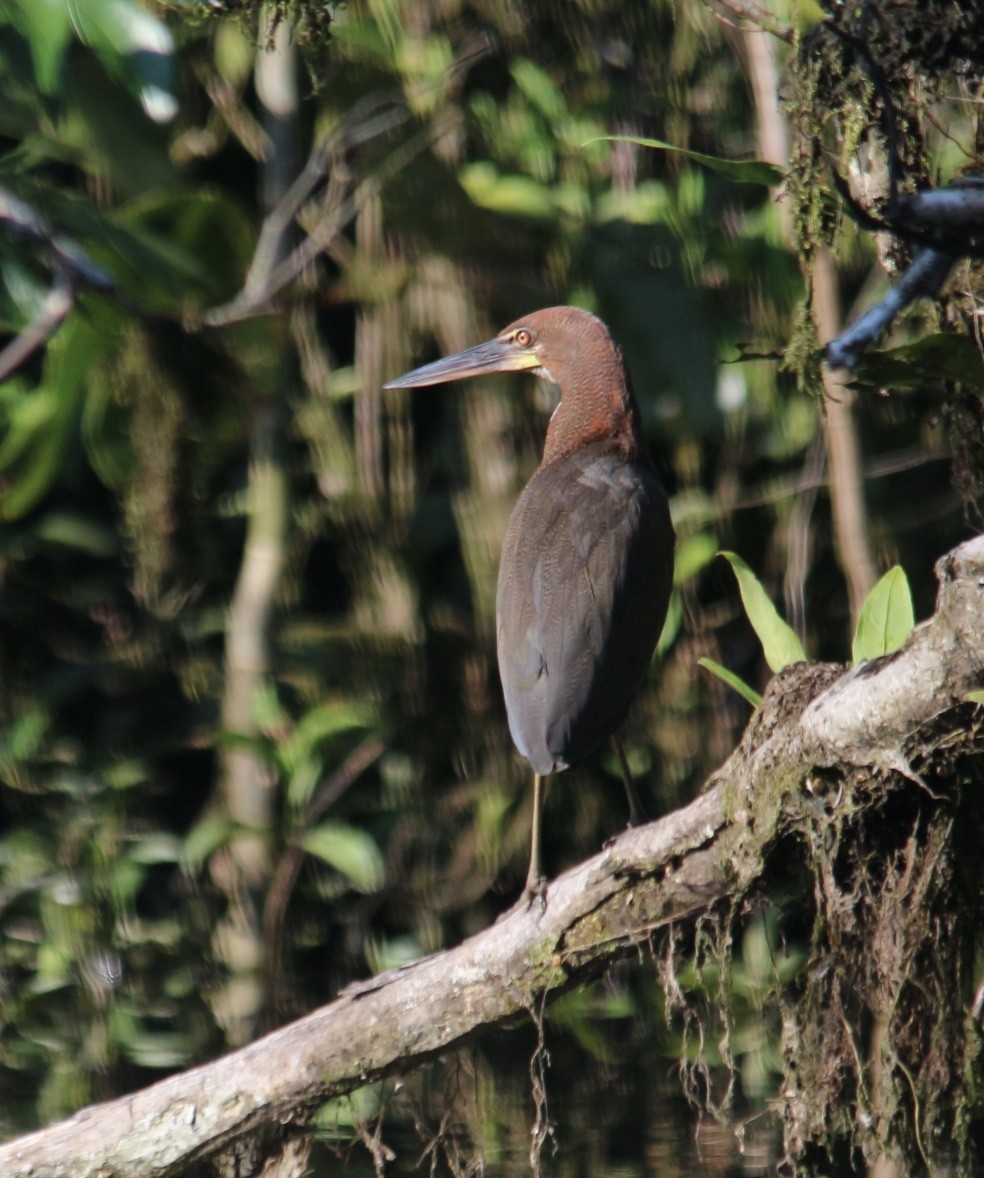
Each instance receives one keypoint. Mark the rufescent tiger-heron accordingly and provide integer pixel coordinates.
(587, 559)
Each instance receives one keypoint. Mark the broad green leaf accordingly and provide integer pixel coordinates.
(320, 724)
(71, 530)
(126, 878)
(37, 425)
(886, 618)
(268, 712)
(692, 555)
(974, 697)
(300, 754)
(204, 838)
(156, 847)
(780, 644)
(349, 851)
(165, 1049)
(47, 27)
(537, 85)
(732, 680)
(739, 171)
(519, 196)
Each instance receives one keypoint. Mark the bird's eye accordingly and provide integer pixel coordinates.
(523, 337)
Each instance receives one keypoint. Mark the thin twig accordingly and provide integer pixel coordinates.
(370, 119)
(367, 121)
(71, 267)
(56, 305)
(289, 865)
(25, 223)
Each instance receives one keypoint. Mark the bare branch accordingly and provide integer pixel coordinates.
(923, 279)
(368, 120)
(958, 208)
(21, 221)
(71, 266)
(875, 718)
(56, 305)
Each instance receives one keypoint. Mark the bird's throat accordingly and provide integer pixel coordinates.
(586, 416)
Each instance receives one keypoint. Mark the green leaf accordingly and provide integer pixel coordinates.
(518, 196)
(886, 618)
(780, 644)
(321, 723)
(732, 680)
(37, 425)
(156, 847)
(540, 89)
(349, 851)
(974, 697)
(204, 838)
(740, 171)
(672, 624)
(692, 555)
(47, 27)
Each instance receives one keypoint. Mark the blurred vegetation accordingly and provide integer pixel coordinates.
(466, 176)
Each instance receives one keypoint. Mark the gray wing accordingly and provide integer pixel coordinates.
(584, 582)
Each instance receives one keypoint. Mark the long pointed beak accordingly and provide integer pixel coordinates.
(497, 355)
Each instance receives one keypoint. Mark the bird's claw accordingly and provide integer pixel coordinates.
(535, 890)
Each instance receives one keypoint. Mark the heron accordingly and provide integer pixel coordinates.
(587, 558)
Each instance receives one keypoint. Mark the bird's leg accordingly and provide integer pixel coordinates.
(534, 877)
(636, 814)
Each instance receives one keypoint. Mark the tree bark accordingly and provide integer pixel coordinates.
(869, 723)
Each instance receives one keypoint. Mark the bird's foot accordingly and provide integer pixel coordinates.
(534, 891)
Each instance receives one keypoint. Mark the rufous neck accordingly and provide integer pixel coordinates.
(596, 407)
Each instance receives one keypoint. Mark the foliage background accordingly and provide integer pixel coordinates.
(252, 741)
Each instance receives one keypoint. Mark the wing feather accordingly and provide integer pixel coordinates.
(584, 584)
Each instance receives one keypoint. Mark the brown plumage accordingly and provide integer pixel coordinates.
(587, 559)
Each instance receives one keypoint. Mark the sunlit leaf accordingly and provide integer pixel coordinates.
(672, 624)
(350, 851)
(126, 877)
(37, 424)
(519, 196)
(886, 618)
(21, 739)
(204, 838)
(320, 724)
(541, 90)
(156, 1049)
(732, 680)
(47, 27)
(68, 530)
(156, 847)
(740, 171)
(780, 643)
(268, 712)
(693, 554)
(975, 697)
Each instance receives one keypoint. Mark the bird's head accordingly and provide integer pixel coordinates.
(568, 346)
(551, 343)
